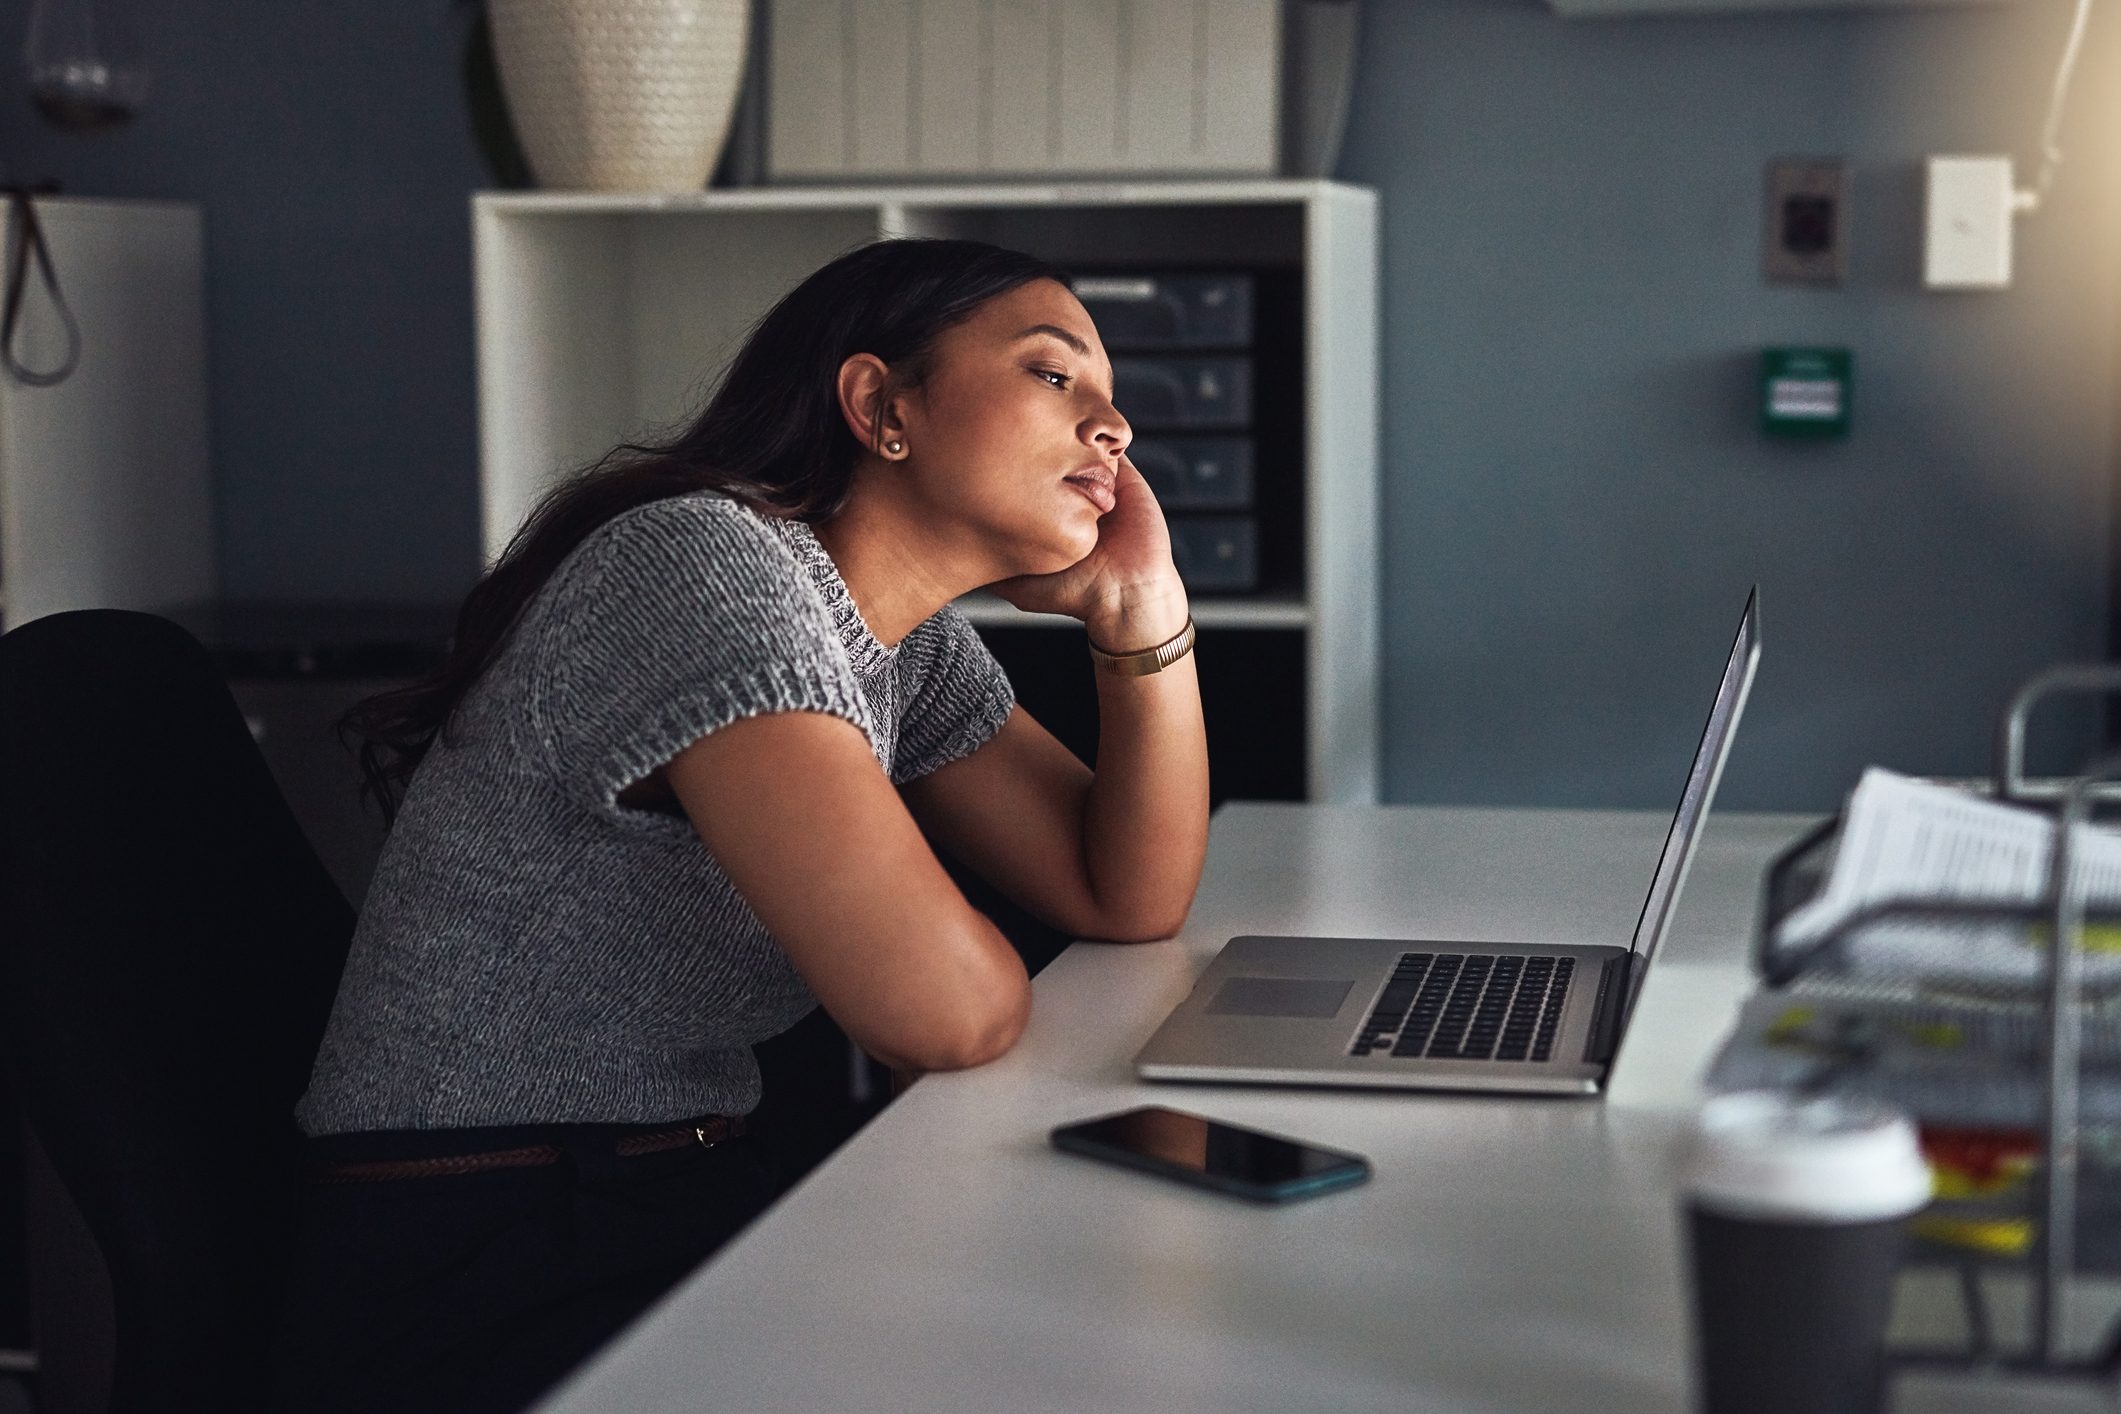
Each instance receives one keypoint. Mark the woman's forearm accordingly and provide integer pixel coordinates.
(1145, 825)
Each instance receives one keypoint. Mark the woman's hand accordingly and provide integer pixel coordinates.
(1126, 588)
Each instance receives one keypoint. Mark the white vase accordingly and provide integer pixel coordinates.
(621, 95)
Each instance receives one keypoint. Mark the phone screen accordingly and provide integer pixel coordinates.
(1196, 1149)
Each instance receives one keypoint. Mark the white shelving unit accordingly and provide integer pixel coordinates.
(602, 318)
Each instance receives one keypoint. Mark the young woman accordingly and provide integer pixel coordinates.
(703, 729)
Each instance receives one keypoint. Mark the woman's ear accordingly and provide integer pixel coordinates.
(869, 406)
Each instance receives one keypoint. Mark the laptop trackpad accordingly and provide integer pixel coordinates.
(1279, 996)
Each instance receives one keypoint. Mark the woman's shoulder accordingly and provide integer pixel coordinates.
(694, 563)
(694, 579)
(697, 545)
(706, 518)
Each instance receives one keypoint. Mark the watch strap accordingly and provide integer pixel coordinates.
(1148, 660)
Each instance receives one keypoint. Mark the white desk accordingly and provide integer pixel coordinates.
(1509, 1254)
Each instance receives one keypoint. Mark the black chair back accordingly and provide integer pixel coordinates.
(169, 948)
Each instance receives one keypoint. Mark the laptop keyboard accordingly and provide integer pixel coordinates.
(1446, 1006)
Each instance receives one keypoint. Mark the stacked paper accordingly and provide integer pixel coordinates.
(1906, 840)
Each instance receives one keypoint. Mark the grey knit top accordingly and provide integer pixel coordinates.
(530, 950)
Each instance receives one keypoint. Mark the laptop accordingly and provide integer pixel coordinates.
(1536, 1018)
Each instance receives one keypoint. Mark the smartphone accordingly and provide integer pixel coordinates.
(1267, 1168)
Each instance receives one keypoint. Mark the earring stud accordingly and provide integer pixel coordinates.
(894, 447)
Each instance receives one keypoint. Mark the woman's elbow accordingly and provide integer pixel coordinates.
(973, 1035)
(973, 1043)
(989, 1041)
(1146, 924)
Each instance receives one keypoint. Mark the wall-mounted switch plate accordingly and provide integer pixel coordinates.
(1806, 237)
(1967, 225)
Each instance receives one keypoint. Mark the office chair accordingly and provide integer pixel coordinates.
(169, 948)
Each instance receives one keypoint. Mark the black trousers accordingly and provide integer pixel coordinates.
(479, 1292)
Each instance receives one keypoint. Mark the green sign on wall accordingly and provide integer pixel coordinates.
(1806, 392)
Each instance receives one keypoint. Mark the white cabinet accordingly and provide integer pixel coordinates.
(105, 500)
(907, 90)
(602, 318)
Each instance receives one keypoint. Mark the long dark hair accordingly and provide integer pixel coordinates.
(772, 437)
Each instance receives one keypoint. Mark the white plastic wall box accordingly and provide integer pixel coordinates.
(1969, 208)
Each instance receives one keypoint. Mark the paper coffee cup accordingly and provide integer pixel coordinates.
(1797, 1212)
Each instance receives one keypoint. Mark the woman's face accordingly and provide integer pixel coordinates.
(1013, 434)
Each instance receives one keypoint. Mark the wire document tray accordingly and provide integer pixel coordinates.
(1972, 1013)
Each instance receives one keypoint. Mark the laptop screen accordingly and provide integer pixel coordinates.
(1694, 801)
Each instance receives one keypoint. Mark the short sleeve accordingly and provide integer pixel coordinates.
(955, 695)
(669, 622)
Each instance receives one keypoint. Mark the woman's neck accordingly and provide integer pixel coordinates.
(898, 574)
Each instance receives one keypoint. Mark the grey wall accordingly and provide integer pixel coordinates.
(1576, 493)
(1576, 498)
(329, 147)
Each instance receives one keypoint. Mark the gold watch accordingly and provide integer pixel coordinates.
(1149, 660)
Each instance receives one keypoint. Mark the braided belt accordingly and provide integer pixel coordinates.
(707, 1133)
